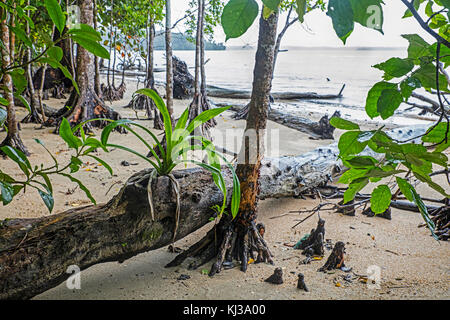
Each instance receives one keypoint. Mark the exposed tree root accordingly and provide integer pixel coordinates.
(276, 277)
(336, 258)
(33, 116)
(228, 240)
(14, 140)
(142, 102)
(313, 245)
(441, 219)
(111, 93)
(85, 107)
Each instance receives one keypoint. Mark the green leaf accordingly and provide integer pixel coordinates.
(238, 16)
(424, 211)
(354, 187)
(436, 135)
(65, 131)
(343, 124)
(7, 192)
(341, 14)
(301, 10)
(19, 80)
(431, 183)
(380, 199)
(408, 85)
(373, 96)
(388, 102)
(352, 174)
(204, 117)
(395, 67)
(47, 197)
(380, 173)
(18, 157)
(417, 46)
(18, 31)
(91, 46)
(368, 13)
(361, 161)
(272, 4)
(47, 182)
(349, 143)
(75, 164)
(55, 53)
(405, 188)
(103, 163)
(85, 31)
(24, 101)
(56, 14)
(427, 76)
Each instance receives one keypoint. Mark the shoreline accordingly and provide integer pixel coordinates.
(417, 268)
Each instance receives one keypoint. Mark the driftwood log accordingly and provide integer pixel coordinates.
(35, 253)
(321, 129)
(218, 92)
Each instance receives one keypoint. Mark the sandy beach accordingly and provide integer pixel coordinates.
(412, 264)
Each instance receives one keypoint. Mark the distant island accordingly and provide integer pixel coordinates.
(181, 42)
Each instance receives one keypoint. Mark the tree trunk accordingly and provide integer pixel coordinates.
(252, 152)
(12, 138)
(238, 238)
(199, 102)
(87, 105)
(97, 88)
(169, 62)
(33, 116)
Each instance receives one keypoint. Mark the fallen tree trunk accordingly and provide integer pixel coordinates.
(35, 253)
(219, 92)
(321, 129)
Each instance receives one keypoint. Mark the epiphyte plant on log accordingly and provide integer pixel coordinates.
(178, 144)
(411, 160)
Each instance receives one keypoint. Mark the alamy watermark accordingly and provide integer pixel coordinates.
(74, 280)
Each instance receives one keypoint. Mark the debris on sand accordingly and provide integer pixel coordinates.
(336, 258)
(276, 277)
(301, 283)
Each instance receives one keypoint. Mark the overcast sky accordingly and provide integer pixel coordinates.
(321, 31)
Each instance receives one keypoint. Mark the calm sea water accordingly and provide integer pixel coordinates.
(321, 70)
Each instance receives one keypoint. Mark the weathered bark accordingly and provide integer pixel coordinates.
(12, 138)
(87, 105)
(35, 253)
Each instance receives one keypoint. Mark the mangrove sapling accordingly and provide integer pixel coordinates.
(38, 176)
(174, 152)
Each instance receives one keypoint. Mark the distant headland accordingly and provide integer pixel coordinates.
(181, 42)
